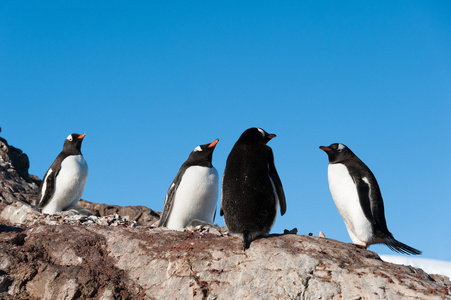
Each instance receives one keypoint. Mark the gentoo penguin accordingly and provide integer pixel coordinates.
(251, 187)
(193, 194)
(65, 180)
(359, 201)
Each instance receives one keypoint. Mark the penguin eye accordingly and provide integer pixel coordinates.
(198, 148)
(262, 132)
(70, 138)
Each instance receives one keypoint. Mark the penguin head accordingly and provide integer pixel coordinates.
(72, 144)
(256, 135)
(337, 152)
(202, 155)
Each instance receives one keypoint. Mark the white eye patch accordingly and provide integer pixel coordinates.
(341, 147)
(70, 138)
(198, 148)
(261, 131)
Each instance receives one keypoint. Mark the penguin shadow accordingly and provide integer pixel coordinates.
(269, 236)
(5, 228)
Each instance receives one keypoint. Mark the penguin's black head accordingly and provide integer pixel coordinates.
(337, 152)
(72, 144)
(202, 155)
(255, 134)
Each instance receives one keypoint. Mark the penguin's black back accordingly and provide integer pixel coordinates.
(359, 170)
(248, 196)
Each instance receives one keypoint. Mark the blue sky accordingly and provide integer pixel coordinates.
(148, 81)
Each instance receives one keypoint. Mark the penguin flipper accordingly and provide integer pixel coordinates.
(278, 185)
(169, 201)
(47, 188)
(365, 198)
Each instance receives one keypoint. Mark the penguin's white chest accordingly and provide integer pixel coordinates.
(346, 198)
(69, 184)
(195, 198)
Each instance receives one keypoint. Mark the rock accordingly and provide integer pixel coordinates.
(15, 182)
(15, 158)
(102, 262)
(140, 214)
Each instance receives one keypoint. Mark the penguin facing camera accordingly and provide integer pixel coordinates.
(65, 180)
(193, 194)
(359, 201)
(251, 187)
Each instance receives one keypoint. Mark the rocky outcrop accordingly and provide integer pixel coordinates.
(140, 214)
(66, 256)
(15, 182)
(104, 262)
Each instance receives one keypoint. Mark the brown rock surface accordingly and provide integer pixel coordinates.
(140, 214)
(104, 262)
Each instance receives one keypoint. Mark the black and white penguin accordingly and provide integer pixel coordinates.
(193, 194)
(251, 187)
(65, 180)
(359, 201)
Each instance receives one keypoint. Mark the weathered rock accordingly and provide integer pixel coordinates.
(140, 214)
(15, 158)
(15, 182)
(53, 262)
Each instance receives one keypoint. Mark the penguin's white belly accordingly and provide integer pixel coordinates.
(346, 198)
(195, 198)
(69, 184)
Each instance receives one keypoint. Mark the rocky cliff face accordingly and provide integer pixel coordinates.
(111, 256)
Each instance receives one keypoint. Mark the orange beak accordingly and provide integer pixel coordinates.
(82, 136)
(213, 143)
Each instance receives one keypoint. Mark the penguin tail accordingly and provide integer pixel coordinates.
(399, 247)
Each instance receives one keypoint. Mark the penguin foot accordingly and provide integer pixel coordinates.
(78, 210)
(361, 246)
(292, 231)
(197, 222)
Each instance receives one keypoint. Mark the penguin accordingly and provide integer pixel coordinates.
(65, 180)
(193, 194)
(251, 187)
(359, 201)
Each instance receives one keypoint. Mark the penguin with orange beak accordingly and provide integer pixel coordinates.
(65, 180)
(193, 194)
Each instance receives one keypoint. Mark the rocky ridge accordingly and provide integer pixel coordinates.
(112, 256)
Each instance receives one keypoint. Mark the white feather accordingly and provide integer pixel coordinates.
(346, 198)
(195, 198)
(69, 184)
(44, 186)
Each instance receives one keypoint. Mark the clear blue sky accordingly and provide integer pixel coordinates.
(148, 81)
